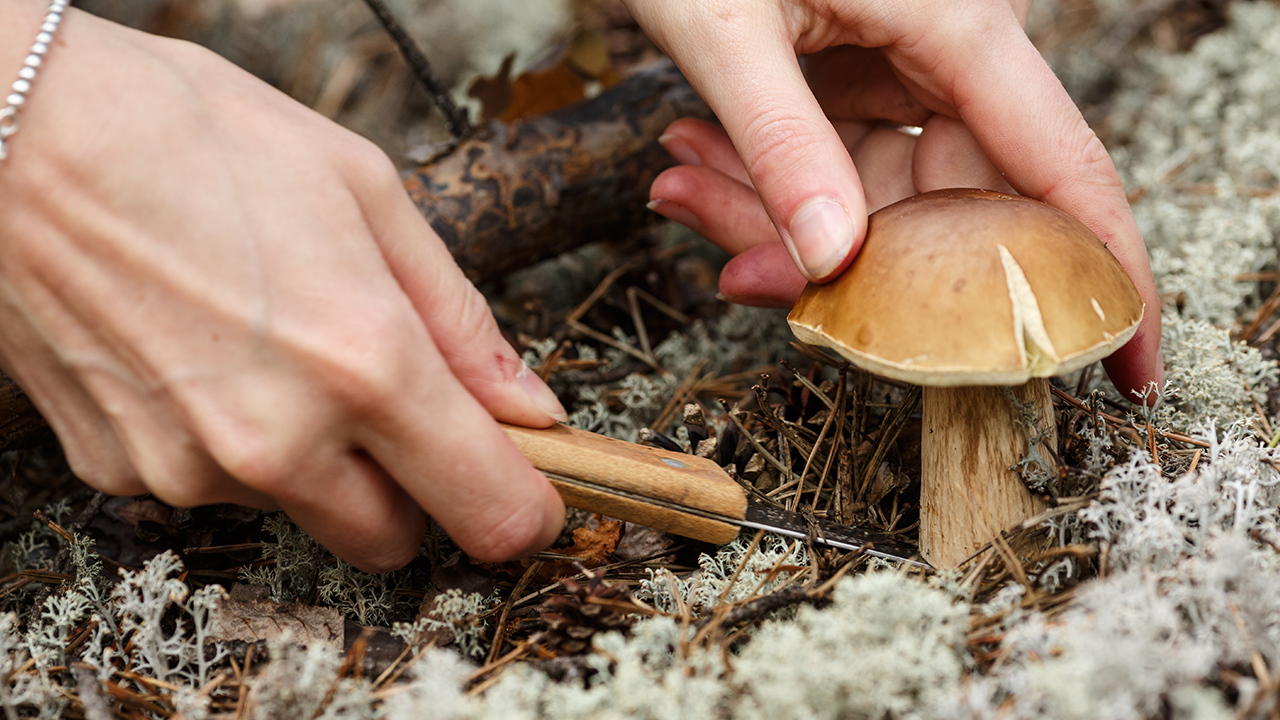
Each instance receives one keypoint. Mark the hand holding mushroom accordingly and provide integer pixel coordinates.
(963, 292)
(779, 184)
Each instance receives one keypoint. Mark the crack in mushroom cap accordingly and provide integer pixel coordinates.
(971, 287)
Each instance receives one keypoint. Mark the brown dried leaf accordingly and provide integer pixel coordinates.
(593, 545)
(585, 61)
(640, 541)
(132, 511)
(539, 92)
(240, 617)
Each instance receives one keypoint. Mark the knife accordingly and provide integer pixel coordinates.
(683, 494)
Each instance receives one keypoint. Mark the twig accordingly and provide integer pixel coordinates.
(751, 550)
(1123, 424)
(841, 396)
(55, 527)
(831, 416)
(767, 415)
(759, 607)
(242, 705)
(1268, 308)
(660, 306)
(613, 343)
(474, 680)
(808, 384)
(637, 319)
(459, 125)
(578, 312)
(769, 458)
(688, 385)
(640, 607)
(890, 428)
(213, 549)
(1011, 563)
(397, 668)
(500, 632)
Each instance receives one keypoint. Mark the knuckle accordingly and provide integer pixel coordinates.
(252, 434)
(472, 316)
(174, 471)
(386, 558)
(179, 489)
(1093, 154)
(367, 161)
(110, 478)
(1084, 151)
(779, 139)
(264, 462)
(508, 537)
(103, 470)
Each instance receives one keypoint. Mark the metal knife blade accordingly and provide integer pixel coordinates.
(677, 492)
(778, 520)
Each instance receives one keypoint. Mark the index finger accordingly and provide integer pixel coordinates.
(741, 57)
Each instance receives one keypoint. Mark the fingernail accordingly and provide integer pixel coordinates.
(540, 394)
(679, 149)
(677, 212)
(819, 237)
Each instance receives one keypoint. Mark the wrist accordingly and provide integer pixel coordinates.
(19, 22)
(13, 98)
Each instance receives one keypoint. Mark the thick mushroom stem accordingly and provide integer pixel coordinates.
(970, 442)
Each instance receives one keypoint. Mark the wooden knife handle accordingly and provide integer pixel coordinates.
(622, 479)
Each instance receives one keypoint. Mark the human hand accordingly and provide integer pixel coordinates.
(800, 164)
(215, 295)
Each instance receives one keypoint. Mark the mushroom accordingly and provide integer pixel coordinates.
(979, 297)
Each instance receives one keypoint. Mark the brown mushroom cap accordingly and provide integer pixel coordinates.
(972, 287)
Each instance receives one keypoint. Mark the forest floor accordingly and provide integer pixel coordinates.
(1150, 588)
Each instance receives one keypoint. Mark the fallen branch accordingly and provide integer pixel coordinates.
(515, 194)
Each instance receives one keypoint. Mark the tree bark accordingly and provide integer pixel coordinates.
(970, 442)
(524, 192)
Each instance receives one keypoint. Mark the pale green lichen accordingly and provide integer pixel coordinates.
(1193, 586)
(458, 613)
(293, 554)
(1211, 376)
(367, 598)
(887, 647)
(1203, 151)
(730, 575)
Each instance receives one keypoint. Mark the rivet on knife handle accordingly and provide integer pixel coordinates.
(576, 460)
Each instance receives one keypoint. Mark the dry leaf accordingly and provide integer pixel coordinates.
(240, 617)
(641, 541)
(591, 546)
(585, 64)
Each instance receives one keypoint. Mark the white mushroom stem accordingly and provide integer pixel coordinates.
(971, 440)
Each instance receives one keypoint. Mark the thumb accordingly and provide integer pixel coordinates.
(745, 67)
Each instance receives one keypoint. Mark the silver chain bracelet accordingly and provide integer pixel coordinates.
(22, 86)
